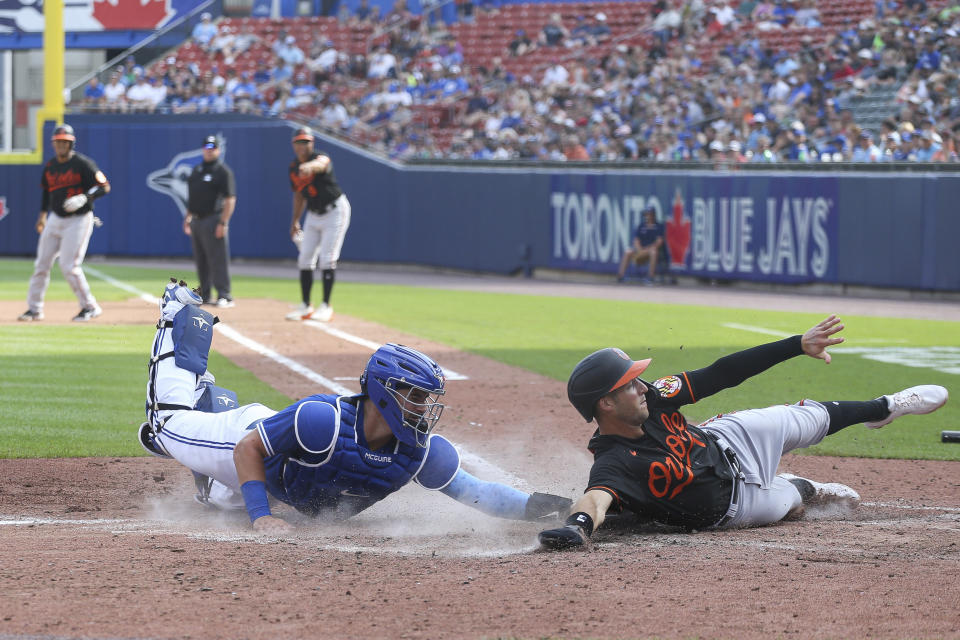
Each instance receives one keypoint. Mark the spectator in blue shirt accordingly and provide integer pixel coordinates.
(647, 241)
(929, 58)
(93, 97)
(263, 74)
(204, 31)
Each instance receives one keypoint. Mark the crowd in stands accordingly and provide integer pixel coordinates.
(667, 91)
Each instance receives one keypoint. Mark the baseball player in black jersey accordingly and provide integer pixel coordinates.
(720, 474)
(320, 239)
(71, 182)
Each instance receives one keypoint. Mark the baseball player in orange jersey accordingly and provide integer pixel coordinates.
(321, 237)
(71, 182)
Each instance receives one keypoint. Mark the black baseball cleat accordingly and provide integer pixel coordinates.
(88, 313)
(203, 484)
(147, 441)
(30, 316)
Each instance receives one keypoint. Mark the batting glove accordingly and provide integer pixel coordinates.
(566, 537)
(73, 203)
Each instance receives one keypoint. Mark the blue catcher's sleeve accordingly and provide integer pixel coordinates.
(308, 426)
(492, 498)
(440, 466)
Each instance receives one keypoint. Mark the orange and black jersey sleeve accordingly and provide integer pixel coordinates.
(319, 189)
(62, 180)
(729, 371)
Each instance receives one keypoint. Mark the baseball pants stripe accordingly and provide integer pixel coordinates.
(760, 437)
(204, 442)
(201, 441)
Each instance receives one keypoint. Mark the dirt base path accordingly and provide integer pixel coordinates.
(116, 548)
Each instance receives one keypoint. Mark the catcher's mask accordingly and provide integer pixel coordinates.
(65, 132)
(598, 374)
(406, 386)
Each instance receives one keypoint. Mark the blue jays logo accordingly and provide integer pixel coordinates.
(172, 179)
(225, 401)
(200, 322)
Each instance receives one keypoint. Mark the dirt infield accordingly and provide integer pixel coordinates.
(116, 548)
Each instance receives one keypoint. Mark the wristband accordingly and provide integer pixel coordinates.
(96, 191)
(582, 520)
(255, 497)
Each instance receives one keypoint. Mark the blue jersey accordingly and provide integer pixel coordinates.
(647, 234)
(318, 460)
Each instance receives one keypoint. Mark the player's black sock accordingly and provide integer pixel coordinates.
(327, 284)
(306, 284)
(845, 413)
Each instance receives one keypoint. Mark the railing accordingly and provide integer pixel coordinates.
(151, 47)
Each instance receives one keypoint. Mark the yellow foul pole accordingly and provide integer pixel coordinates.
(53, 82)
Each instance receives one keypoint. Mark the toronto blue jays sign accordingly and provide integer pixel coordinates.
(713, 226)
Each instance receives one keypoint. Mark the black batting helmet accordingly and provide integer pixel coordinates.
(64, 132)
(303, 134)
(597, 375)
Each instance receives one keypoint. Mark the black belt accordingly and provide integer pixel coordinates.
(731, 458)
(327, 209)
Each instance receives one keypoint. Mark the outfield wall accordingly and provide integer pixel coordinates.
(886, 229)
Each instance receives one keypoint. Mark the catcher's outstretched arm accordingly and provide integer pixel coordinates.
(499, 500)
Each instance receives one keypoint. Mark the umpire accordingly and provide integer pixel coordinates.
(211, 198)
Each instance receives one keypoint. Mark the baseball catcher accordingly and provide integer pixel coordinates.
(721, 474)
(323, 455)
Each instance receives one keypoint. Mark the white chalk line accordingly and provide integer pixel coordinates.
(893, 505)
(373, 346)
(143, 295)
(477, 463)
(280, 359)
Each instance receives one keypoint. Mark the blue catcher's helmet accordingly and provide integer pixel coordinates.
(406, 386)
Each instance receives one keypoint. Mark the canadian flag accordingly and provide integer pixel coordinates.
(131, 14)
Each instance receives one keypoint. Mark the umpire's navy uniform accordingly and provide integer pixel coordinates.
(207, 187)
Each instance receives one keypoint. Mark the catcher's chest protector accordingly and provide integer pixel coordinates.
(351, 478)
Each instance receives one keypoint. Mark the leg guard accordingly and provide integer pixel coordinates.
(216, 399)
(192, 336)
(179, 356)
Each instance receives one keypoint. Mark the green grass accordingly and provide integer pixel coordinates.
(547, 335)
(79, 390)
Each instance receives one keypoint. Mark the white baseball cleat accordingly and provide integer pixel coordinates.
(324, 313)
(302, 312)
(177, 295)
(823, 493)
(925, 398)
